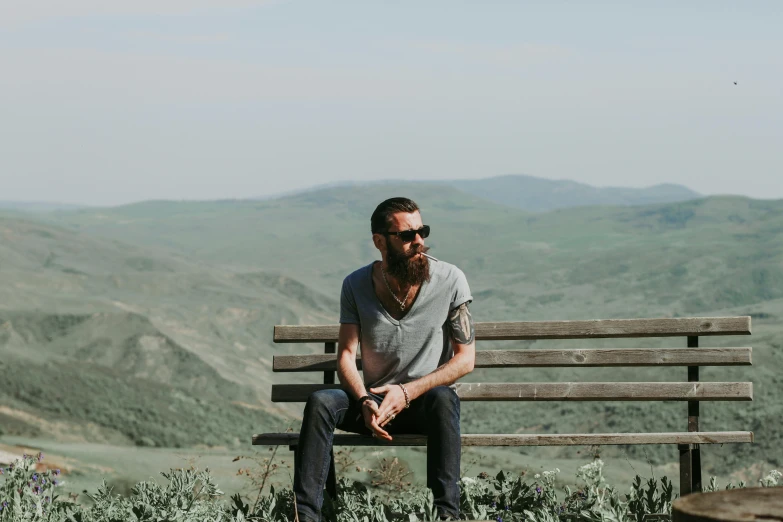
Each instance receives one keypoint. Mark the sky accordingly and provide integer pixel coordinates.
(106, 103)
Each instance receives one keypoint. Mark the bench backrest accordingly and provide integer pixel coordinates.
(692, 357)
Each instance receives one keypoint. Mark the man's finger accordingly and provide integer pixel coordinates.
(380, 390)
(385, 418)
(380, 431)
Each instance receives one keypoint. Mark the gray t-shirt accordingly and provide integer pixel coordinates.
(400, 351)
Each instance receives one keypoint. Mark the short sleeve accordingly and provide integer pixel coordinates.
(349, 314)
(460, 290)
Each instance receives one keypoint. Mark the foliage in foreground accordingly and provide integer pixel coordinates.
(191, 496)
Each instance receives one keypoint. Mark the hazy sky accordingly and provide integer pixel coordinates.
(107, 102)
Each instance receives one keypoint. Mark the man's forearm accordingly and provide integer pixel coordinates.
(349, 376)
(457, 367)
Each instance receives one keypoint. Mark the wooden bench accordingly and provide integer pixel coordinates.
(691, 391)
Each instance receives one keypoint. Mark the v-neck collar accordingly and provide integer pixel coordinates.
(389, 316)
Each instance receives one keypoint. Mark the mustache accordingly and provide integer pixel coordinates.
(417, 250)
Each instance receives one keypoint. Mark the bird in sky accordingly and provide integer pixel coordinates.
(735, 83)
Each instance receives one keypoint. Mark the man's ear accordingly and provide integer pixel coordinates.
(379, 240)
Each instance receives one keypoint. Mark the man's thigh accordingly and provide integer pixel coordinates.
(353, 419)
(416, 418)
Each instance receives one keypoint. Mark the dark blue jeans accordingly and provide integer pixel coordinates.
(435, 414)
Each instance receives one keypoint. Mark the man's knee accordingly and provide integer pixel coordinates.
(442, 398)
(324, 404)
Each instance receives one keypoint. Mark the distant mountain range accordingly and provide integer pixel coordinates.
(531, 193)
(525, 192)
(539, 194)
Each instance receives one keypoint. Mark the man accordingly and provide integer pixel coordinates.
(410, 316)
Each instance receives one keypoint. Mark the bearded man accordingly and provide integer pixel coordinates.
(409, 313)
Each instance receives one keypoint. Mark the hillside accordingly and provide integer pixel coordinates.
(103, 341)
(680, 258)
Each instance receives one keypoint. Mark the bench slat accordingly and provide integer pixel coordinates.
(704, 437)
(604, 328)
(566, 391)
(556, 358)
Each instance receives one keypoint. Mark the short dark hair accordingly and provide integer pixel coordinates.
(379, 222)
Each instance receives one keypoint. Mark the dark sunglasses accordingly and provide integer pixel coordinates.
(409, 235)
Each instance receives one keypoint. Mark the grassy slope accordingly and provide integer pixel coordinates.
(102, 341)
(710, 256)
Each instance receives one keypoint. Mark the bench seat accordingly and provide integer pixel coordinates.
(579, 439)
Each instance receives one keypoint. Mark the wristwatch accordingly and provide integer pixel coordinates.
(365, 398)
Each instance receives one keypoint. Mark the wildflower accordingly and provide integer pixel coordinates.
(506, 508)
(538, 489)
(537, 476)
(40, 457)
(35, 477)
(494, 504)
(57, 472)
(54, 482)
(772, 479)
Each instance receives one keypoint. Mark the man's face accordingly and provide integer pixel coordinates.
(405, 221)
(405, 262)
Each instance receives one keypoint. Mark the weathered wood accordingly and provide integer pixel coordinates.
(602, 328)
(566, 391)
(557, 358)
(733, 505)
(587, 439)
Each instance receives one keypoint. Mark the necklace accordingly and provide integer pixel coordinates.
(401, 303)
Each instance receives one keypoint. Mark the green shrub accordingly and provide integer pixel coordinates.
(190, 495)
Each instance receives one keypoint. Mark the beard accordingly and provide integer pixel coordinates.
(405, 268)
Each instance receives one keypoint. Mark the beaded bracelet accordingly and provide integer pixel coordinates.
(407, 400)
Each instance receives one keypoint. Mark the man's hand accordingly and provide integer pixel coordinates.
(393, 403)
(370, 413)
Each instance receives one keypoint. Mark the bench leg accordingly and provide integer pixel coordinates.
(686, 469)
(331, 478)
(696, 464)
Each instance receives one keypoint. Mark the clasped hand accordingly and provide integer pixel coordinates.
(376, 417)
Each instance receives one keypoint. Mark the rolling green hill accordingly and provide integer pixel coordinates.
(680, 258)
(103, 341)
(212, 278)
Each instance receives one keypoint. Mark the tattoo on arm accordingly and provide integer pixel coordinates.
(461, 322)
